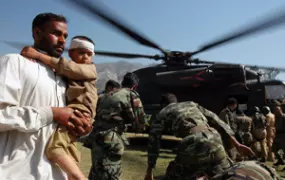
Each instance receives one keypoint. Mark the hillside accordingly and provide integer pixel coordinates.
(114, 71)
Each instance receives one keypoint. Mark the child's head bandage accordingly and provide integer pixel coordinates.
(80, 43)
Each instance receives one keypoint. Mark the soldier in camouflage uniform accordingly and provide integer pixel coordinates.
(110, 85)
(244, 135)
(201, 148)
(259, 133)
(270, 118)
(116, 108)
(228, 116)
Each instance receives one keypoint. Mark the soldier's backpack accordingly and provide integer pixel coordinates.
(259, 127)
(249, 170)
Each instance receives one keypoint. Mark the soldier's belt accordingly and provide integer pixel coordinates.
(199, 128)
(212, 158)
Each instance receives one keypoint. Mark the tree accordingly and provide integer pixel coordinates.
(268, 73)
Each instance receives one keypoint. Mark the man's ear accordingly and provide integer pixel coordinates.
(37, 33)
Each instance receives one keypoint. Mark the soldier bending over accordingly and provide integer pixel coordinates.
(201, 149)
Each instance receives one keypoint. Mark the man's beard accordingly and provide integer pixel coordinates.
(50, 50)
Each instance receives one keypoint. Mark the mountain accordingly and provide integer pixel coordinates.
(115, 71)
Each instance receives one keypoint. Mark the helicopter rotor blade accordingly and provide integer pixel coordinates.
(127, 55)
(106, 16)
(19, 45)
(271, 21)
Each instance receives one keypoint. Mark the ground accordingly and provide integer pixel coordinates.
(135, 158)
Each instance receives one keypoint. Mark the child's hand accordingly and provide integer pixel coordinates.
(30, 53)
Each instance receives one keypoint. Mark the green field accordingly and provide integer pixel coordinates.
(135, 158)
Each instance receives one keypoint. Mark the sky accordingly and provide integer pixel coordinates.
(183, 25)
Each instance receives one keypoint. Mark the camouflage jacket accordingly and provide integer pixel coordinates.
(117, 108)
(181, 117)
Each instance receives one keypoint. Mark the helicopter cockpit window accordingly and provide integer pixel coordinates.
(274, 92)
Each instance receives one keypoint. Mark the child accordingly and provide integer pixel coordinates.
(81, 95)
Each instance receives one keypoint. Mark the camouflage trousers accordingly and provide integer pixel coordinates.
(200, 153)
(106, 154)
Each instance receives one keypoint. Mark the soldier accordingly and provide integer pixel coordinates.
(270, 118)
(259, 125)
(111, 85)
(244, 128)
(201, 148)
(247, 170)
(228, 116)
(279, 142)
(116, 109)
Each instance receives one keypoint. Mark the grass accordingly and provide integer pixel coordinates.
(135, 158)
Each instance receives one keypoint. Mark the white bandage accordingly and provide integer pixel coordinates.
(80, 43)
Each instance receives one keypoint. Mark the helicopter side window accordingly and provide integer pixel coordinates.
(275, 92)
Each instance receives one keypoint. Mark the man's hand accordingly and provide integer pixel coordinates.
(245, 150)
(62, 115)
(85, 119)
(77, 123)
(30, 53)
(149, 174)
(242, 148)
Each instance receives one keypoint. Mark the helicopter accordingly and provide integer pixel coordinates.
(209, 83)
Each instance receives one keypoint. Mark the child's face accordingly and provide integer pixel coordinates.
(81, 56)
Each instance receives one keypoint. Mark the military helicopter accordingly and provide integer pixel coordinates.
(208, 83)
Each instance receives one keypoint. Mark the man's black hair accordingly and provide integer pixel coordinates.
(232, 101)
(85, 38)
(43, 18)
(130, 79)
(112, 83)
(168, 98)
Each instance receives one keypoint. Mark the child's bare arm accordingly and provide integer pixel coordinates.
(62, 66)
(30, 52)
(74, 71)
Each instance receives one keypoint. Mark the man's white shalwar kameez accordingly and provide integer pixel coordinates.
(27, 91)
